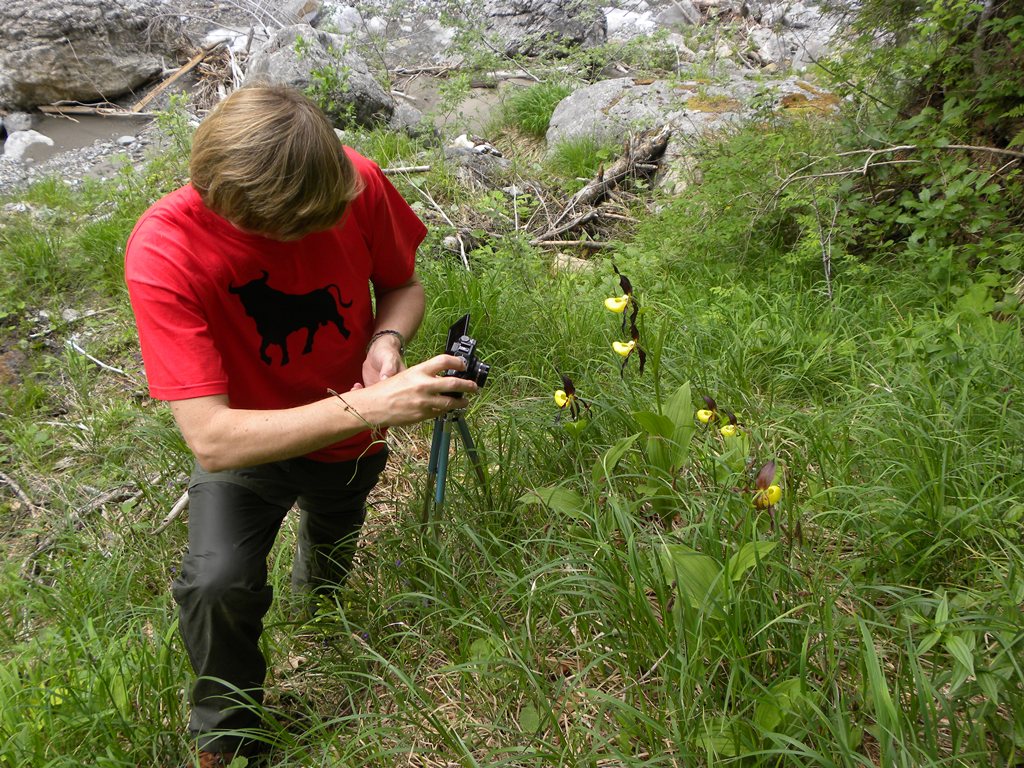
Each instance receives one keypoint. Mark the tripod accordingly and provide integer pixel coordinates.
(437, 465)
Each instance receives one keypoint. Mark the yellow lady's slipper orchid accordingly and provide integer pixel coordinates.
(623, 347)
(769, 497)
(729, 430)
(561, 399)
(704, 415)
(617, 303)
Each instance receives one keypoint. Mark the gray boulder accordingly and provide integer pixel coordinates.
(17, 121)
(82, 50)
(530, 27)
(679, 13)
(322, 65)
(610, 109)
(19, 141)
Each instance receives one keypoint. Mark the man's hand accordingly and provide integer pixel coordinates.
(415, 394)
(222, 437)
(383, 360)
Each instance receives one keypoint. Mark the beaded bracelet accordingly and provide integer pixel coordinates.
(388, 332)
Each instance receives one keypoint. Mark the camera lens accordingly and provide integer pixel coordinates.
(478, 371)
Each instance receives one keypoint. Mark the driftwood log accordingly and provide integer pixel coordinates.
(641, 156)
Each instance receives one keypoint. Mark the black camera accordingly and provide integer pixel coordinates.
(461, 345)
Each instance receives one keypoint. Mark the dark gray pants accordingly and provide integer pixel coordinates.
(222, 591)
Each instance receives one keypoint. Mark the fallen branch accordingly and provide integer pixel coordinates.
(405, 169)
(22, 496)
(592, 244)
(83, 316)
(579, 221)
(647, 148)
(182, 70)
(77, 520)
(64, 110)
(179, 506)
(75, 346)
(847, 172)
(458, 236)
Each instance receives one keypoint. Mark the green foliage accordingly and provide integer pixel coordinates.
(579, 159)
(328, 86)
(939, 184)
(530, 109)
(967, 57)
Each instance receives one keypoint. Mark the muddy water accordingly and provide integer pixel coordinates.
(77, 131)
(472, 114)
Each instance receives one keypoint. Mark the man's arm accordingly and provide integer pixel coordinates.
(399, 309)
(222, 437)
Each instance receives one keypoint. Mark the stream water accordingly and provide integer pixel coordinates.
(77, 131)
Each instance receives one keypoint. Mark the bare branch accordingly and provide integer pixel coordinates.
(75, 346)
(591, 244)
(179, 506)
(22, 496)
(405, 169)
(462, 244)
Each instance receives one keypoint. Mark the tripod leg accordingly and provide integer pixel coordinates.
(435, 448)
(474, 456)
(442, 463)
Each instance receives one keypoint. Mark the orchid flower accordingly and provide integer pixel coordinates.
(705, 415)
(768, 493)
(618, 304)
(567, 398)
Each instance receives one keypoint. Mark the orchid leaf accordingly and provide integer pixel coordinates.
(747, 557)
(565, 501)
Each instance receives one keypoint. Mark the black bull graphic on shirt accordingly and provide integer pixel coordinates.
(278, 314)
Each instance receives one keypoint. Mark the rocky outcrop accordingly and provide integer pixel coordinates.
(532, 27)
(610, 109)
(323, 65)
(81, 50)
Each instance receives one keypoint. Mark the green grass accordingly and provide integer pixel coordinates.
(580, 158)
(530, 109)
(616, 599)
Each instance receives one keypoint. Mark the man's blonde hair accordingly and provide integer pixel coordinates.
(268, 160)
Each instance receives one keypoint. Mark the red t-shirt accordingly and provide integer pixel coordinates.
(270, 324)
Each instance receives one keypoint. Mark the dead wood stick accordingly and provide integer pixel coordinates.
(84, 109)
(75, 346)
(798, 174)
(179, 506)
(83, 316)
(405, 169)
(648, 147)
(579, 221)
(458, 235)
(119, 494)
(77, 520)
(619, 216)
(441, 71)
(22, 496)
(182, 70)
(438, 70)
(592, 244)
